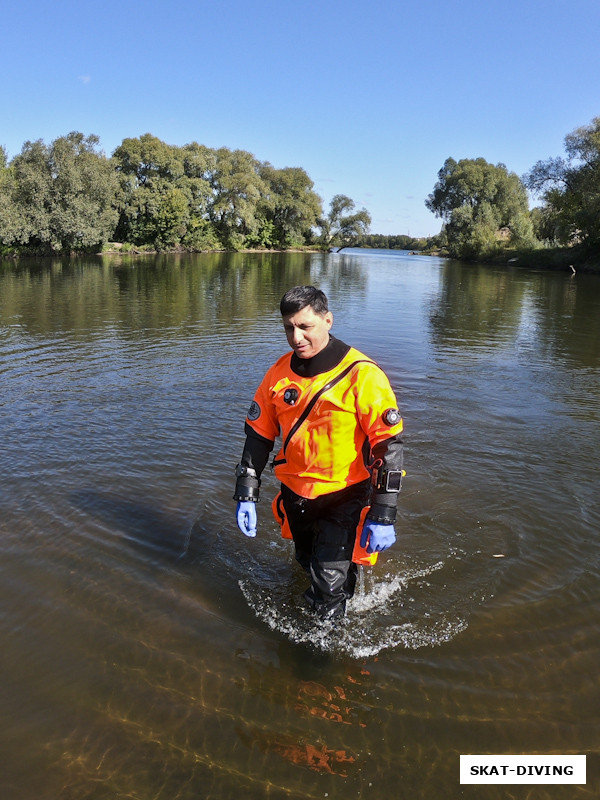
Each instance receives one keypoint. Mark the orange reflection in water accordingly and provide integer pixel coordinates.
(319, 701)
(317, 757)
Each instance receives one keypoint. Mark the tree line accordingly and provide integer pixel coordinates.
(485, 208)
(68, 197)
(400, 241)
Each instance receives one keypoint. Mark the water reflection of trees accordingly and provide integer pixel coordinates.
(170, 293)
(568, 316)
(476, 306)
(480, 306)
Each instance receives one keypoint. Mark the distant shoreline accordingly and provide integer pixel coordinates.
(571, 260)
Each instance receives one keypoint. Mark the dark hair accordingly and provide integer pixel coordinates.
(301, 296)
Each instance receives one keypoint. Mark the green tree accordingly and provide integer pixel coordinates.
(156, 197)
(237, 189)
(289, 208)
(340, 228)
(61, 197)
(484, 207)
(10, 223)
(171, 218)
(198, 164)
(570, 189)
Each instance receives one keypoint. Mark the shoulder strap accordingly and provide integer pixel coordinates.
(336, 379)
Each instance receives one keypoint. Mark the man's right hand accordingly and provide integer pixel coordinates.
(246, 517)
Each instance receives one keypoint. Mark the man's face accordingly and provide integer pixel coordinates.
(307, 333)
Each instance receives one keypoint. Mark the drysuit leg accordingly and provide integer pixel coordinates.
(324, 532)
(333, 575)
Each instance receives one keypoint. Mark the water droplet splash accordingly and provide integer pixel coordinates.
(383, 614)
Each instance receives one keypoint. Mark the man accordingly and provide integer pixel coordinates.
(341, 450)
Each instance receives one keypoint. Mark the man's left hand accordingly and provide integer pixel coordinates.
(380, 537)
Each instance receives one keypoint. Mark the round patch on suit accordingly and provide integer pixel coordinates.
(253, 411)
(391, 416)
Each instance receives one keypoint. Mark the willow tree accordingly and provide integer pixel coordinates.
(236, 190)
(155, 204)
(289, 208)
(60, 197)
(199, 162)
(484, 208)
(570, 189)
(342, 226)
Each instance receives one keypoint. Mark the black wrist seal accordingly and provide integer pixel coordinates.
(247, 485)
(384, 514)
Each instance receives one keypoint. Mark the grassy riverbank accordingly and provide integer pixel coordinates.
(116, 248)
(568, 259)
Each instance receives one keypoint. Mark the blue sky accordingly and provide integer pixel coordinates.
(369, 98)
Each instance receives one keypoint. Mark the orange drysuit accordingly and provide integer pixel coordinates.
(336, 413)
(328, 423)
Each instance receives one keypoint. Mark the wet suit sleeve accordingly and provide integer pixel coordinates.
(261, 431)
(382, 423)
(256, 451)
(254, 456)
(383, 503)
(262, 427)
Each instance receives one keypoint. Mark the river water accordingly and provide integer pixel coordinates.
(150, 651)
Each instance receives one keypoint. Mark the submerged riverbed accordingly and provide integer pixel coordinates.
(150, 651)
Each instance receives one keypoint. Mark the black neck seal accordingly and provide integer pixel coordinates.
(328, 358)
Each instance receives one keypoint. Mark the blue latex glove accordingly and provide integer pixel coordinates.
(246, 517)
(380, 537)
